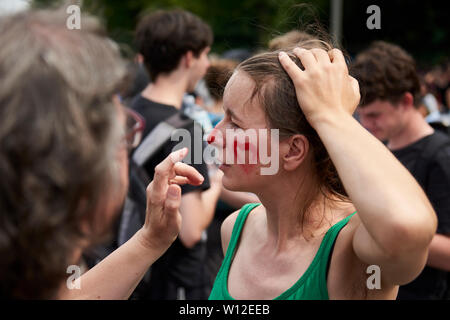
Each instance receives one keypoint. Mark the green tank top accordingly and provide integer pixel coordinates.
(312, 285)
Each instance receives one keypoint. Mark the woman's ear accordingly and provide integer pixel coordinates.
(295, 150)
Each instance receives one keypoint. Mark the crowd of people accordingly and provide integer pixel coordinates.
(94, 175)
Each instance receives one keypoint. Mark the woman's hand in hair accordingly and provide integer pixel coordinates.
(397, 221)
(163, 219)
(324, 88)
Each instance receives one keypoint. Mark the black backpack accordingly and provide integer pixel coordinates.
(441, 139)
(133, 213)
(425, 161)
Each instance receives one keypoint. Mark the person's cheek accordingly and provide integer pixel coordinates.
(246, 155)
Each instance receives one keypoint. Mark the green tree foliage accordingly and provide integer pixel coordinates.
(236, 23)
(421, 27)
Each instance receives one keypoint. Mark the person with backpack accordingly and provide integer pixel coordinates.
(390, 91)
(175, 45)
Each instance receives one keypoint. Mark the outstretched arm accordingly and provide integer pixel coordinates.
(118, 274)
(398, 222)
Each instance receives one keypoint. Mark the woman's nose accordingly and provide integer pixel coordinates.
(214, 138)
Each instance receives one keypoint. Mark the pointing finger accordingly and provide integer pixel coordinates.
(163, 173)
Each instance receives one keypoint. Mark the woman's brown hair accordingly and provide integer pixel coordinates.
(276, 94)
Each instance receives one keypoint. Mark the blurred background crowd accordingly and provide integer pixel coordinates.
(240, 29)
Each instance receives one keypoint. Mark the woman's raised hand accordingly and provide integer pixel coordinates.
(324, 88)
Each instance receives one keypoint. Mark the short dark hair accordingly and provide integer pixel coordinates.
(163, 37)
(386, 72)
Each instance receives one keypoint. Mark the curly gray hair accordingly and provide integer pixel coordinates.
(58, 138)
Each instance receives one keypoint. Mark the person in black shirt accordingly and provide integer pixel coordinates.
(175, 46)
(389, 110)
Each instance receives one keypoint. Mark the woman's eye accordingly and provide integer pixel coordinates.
(234, 125)
(231, 123)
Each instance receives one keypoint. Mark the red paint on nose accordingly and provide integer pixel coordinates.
(211, 138)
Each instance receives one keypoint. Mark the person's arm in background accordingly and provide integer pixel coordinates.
(439, 252)
(438, 191)
(197, 209)
(118, 274)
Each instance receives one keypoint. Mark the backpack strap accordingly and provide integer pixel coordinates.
(425, 159)
(158, 137)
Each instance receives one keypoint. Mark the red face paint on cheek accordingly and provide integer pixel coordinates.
(252, 151)
(251, 160)
(235, 146)
(247, 168)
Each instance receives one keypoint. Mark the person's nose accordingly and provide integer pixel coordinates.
(215, 137)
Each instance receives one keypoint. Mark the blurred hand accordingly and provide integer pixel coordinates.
(324, 89)
(163, 219)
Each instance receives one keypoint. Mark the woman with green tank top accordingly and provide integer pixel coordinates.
(335, 203)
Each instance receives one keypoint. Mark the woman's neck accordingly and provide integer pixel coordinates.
(296, 212)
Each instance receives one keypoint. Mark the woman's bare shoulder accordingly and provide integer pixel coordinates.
(228, 225)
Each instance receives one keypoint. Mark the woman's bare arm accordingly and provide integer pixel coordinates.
(398, 221)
